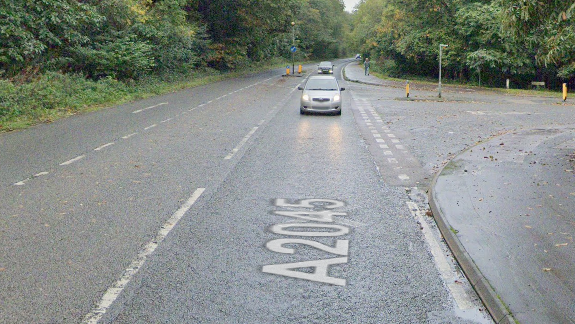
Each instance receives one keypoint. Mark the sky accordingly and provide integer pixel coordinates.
(349, 4)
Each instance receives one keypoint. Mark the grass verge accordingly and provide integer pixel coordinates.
(54, 95)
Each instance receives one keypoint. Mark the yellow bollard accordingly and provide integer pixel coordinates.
(564, 91)
(407, 89)
(287, 71)
(299, 69)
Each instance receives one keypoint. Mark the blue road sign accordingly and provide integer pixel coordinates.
(293, 49)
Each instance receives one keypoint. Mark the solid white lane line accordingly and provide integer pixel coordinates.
(78, 158)
(113, 292)
(242, 142)
(151, 107)
(457, 291)
(103, 146)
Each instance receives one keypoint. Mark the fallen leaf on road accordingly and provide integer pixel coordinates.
(527, 226)
(546, 269)
(562, 244)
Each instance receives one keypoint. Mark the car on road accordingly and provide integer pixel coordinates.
(325, 67)
(321, 94)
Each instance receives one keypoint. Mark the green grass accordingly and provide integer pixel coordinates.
(53, 95)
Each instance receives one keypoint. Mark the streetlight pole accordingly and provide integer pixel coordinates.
(441, 46)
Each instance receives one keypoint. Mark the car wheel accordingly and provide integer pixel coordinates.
(301, 112)
(338, 113)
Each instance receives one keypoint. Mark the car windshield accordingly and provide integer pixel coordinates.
(325, 64)
(321, 84)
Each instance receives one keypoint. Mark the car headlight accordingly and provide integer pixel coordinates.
(336, 97)
(318, 70)
(305, 97)
(330, 71)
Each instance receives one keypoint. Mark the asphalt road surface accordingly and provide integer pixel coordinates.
(222, 204)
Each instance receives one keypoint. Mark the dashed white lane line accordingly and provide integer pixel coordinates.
(113, 292)
(129, 135)
(23, 182)
(242, 142)
(151, 107)
(151, 126)
(104, 146)
(403, 177)
(78, 158)
(457, 291)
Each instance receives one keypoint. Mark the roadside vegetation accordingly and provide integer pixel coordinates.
(61, 57)
(488, 41)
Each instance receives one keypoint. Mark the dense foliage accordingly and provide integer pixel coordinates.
(489, 40)
(46, 44)
(126, 39)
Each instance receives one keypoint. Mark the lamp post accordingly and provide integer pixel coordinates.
(293, 44)
(441, 46)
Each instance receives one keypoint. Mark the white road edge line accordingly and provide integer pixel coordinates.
(78, 158)
(113, 292)
(151, 107)
(243, 141)
(461, 298)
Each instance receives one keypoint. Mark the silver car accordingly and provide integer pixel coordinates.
(325, 67)
(321, 94)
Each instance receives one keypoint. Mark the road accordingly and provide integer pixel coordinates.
(223, 204)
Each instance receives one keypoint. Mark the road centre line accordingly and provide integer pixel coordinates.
(129, 135)
(23, 182)
(151, 126)
(78, 158)
(242, 142)
(461, 298)
(113, 292)
(151, 107)
(104, 146)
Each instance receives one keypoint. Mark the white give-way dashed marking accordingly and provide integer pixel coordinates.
(364, 108)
